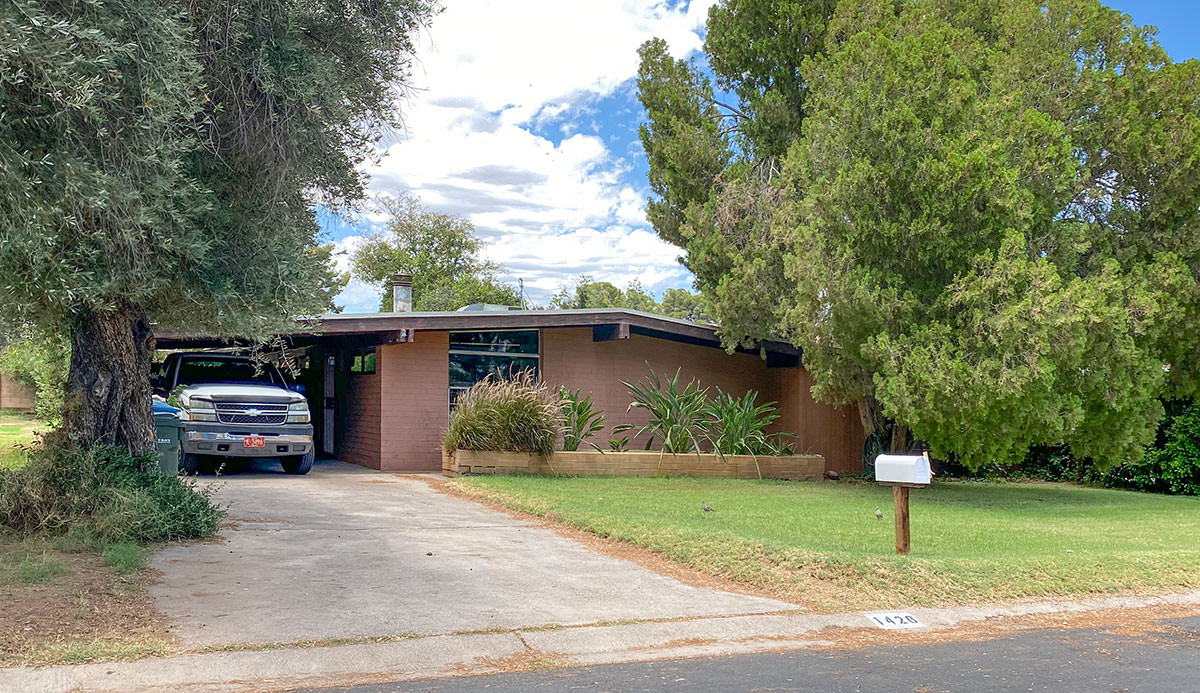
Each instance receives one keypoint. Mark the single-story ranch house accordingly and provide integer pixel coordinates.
(381, 385)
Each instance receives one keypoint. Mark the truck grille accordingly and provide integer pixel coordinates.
(247, 413)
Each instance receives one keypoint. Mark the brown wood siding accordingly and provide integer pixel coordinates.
(14, 395)
(414, 401)
(357, 438)
(836, 433)
(570, 358)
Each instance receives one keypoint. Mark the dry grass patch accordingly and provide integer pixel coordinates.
(60, 606)
(532, 660)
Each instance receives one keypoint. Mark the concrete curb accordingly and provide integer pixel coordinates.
(448, 655)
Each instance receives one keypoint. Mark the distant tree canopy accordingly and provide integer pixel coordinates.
(978, 219)
(442, 252)
(161, 162)
(585, 292)
(685, 305)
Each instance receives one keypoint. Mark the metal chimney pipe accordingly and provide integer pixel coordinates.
(402, 293)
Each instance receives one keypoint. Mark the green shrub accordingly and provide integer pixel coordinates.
(104, 493)
(514, 415)
(677, 415)
(580, 419)
(738, 426)
(1173, 467)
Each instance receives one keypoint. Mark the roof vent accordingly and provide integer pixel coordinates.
(486, 308)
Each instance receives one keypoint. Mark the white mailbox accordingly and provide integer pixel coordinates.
(903, 469)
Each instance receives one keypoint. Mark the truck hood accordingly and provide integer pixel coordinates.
(242, 392)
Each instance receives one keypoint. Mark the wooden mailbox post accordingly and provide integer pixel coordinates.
(903, 472)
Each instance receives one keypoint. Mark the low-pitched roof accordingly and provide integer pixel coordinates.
(609, 323)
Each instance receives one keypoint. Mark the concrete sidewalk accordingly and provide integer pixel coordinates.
(452, 655)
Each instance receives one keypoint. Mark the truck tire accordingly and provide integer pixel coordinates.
(189, 464)
(298, 464)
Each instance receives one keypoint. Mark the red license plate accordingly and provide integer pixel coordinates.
(254, 442)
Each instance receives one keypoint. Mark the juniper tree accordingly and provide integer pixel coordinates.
(980, 218)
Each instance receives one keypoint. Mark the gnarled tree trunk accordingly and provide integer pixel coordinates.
(108, 388)
(870, 415)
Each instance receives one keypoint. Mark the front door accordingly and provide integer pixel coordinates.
(328, 419)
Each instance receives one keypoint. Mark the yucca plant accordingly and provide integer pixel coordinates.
(677, 415)
(738, 426)
(580, 419)
(516, 414)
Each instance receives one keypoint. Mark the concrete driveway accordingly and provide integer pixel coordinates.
(348, 552)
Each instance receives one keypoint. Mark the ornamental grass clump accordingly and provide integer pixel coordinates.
(517, 414)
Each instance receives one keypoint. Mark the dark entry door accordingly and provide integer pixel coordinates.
(328, 418)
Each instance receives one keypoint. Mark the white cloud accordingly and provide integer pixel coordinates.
(617, 254)
(489, 74)
(358, 296)
(523, 56)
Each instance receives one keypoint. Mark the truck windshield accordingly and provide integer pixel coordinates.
(197, 371)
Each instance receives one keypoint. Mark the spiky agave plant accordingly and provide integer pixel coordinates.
(676, 413)
(738, 426)
(580, 419)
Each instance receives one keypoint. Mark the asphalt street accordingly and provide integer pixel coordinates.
(1162, 660)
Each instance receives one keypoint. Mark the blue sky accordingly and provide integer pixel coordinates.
(524, 119)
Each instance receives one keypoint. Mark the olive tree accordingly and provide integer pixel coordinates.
(160, 166)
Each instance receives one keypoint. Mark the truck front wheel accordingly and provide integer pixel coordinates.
(298, 464)
(189, 464)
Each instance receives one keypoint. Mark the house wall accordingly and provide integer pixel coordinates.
(570, 358)
(14, 395)
(414, 391)
(833, 432)
(357, 436)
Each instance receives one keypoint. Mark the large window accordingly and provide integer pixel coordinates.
(475, 355)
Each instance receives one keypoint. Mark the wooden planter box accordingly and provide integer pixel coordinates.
(639, 463)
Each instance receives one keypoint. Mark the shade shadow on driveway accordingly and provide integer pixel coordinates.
(348, 552)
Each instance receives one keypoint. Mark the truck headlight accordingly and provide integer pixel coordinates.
(199, 409)
(298, 412)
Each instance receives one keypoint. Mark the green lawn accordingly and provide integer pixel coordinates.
(821, 544)
(16, 428)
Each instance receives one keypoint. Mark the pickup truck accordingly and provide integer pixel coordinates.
(234, 408)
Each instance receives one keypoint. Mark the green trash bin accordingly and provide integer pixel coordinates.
(167, 431)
